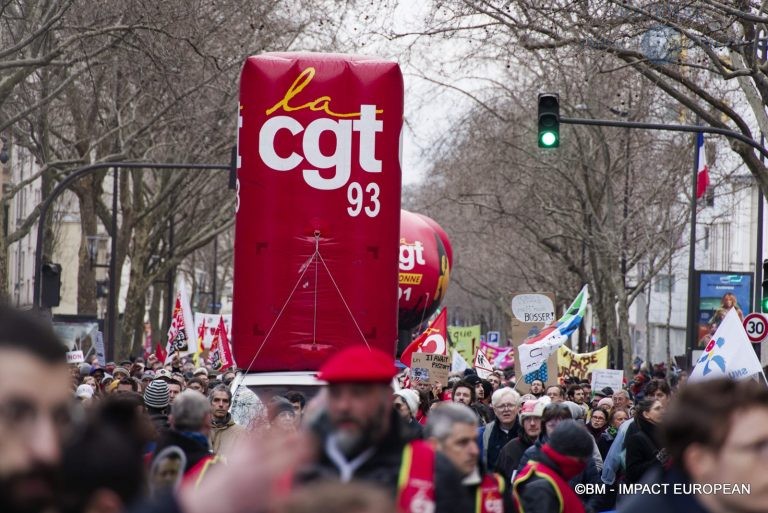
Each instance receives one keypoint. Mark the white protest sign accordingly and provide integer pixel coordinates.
(99, 344)
(75, 357)
(602, 378)
(533, 308)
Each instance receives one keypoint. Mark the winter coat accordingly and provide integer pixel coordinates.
(605, 441)
(192, 446)
(510, 455)
(491, 439)
(662, 502)
(642, 450)
(224, 436)
(381, 468)
(590, 475)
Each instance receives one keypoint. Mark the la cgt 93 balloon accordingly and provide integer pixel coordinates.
(425, 268)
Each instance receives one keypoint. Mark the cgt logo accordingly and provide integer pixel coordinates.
(338, 124)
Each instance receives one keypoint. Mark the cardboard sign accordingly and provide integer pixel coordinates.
(581, 365)
(530, 313)
(602, 378)
(465, 340)
(75, 357)
(317, 210)
(432, 368)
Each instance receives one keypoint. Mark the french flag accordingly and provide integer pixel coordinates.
(702, 176)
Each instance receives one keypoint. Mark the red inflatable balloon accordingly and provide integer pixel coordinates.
(318, 203)
(441, 233)
(425, 269)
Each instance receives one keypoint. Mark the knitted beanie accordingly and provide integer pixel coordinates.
(571, 438)
(157, 395)
(411, 398)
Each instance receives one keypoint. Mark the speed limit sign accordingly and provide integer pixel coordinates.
(756, 325)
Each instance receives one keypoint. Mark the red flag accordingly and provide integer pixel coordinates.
(431, 341)
(160, 352)
(220, 355)
(702, 176)
(201, 336)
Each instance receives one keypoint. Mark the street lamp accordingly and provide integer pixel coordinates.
(4, 151)
(93, 244)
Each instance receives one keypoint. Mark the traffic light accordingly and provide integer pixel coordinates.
(549, 120)
(764, 297)
(51, 293)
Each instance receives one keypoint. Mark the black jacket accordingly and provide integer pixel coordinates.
(381, 468)
(510, 455)
(192, 449)
(642, 450)
(589, 475)
(662, 502)
(538, 495)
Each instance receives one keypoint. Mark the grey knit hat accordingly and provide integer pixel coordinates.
(157, 395)
(85, 369)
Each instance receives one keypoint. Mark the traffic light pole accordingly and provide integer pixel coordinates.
(59, 189)
(669, 128)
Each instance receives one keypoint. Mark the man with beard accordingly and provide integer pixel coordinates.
(35, 402)
(360, 435)
(224, 431)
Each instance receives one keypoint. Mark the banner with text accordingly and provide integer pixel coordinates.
(465, 339)
(580, 365)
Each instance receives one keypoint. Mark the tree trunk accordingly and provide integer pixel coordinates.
(87, 191)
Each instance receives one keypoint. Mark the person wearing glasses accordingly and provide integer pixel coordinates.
(495, 435)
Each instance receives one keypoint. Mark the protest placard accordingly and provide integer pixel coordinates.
(432, 368)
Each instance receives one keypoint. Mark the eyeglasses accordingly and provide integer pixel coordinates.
(506, 406)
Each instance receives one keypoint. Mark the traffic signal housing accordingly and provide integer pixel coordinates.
(764, 297)
(51, 290)
(549, 120)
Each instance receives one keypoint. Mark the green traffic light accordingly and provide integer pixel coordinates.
(764, 305)
(548, 139)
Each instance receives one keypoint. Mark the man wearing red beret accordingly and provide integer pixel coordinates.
(362, 437)
(360, 434)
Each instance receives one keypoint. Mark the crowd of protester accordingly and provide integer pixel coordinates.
(147, 436)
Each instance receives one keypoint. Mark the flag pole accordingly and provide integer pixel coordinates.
(690, 332)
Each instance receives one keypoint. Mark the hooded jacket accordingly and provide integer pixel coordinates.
(224, 435)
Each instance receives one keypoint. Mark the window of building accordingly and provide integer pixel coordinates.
(664, 283)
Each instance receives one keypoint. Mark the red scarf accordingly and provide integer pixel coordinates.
(569, 466)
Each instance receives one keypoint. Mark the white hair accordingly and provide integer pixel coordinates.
(505, 393)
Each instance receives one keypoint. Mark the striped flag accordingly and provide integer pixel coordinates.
(533, 353)
(702, 176)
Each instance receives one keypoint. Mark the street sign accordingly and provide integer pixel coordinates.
(756, 324)
(493, 337)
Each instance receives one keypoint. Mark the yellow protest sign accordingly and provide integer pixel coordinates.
(580, 365)
(465, 339)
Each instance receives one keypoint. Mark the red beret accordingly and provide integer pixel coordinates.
(359, 364)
